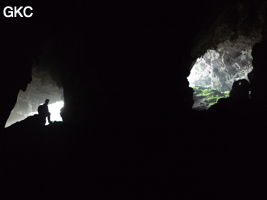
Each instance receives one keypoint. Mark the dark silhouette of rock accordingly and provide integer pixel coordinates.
(31, 122)
(240, 91)
(238, 101)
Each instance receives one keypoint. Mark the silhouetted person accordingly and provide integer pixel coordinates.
(44, 111)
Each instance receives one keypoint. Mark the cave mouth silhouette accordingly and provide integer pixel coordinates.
(214, 73)
(41, 87)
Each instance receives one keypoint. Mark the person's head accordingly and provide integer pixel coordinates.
(46, 101)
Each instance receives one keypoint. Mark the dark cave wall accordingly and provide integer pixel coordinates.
(16, 60)
(142, 70)
(258, 75)
(236, 18)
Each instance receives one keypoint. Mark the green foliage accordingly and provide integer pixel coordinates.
(208, 96)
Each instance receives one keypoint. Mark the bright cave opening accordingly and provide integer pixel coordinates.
(214, 73)
(42, 87)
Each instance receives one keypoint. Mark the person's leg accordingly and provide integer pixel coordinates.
(48, 117)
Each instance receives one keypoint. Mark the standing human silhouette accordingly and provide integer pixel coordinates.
(44, 111)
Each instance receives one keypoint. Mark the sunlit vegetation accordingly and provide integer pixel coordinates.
(208, 97)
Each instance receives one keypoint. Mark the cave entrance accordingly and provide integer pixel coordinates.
(41, 87)
(213, 74)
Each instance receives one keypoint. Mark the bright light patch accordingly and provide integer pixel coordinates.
(54, 109)
(213, 74)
